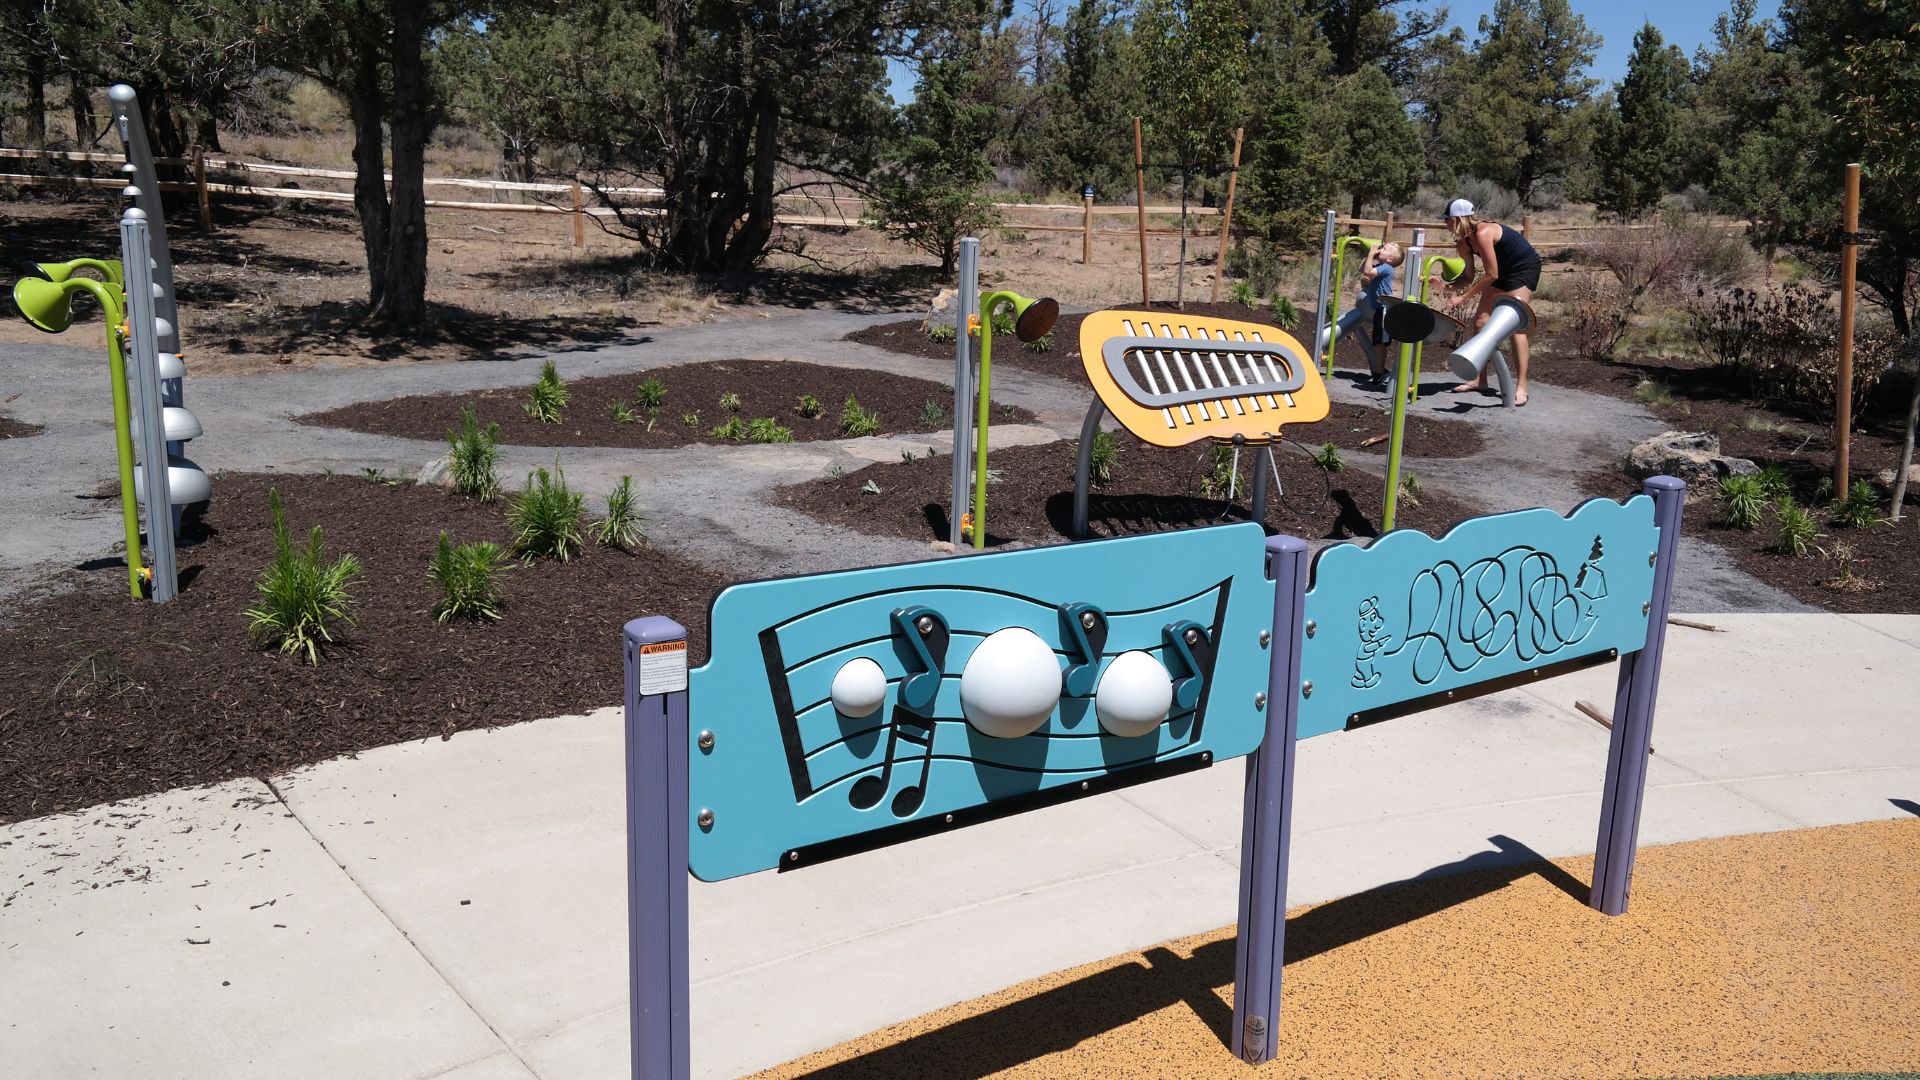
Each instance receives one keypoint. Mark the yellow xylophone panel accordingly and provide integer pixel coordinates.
(1255, 415)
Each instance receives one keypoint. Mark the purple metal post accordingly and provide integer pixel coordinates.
(657, 848)
(1260, 949)
(1633, 700)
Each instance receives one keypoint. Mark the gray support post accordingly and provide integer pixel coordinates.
(144, 180)
(1262, 467)
(966, 299)
(656, 745)
(1320, 305)
(1083, 466)
(155, 462)
(1626, 785)
(1260, 947)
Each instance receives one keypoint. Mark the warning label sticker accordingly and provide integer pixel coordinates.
(663, 667)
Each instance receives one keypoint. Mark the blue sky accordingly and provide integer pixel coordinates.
(1686, 23)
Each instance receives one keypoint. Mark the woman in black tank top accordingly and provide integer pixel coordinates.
(1500, 263)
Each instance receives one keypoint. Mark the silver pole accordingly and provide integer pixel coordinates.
(1326, 268)
(144, 183)
(967, 298)
(154, 459)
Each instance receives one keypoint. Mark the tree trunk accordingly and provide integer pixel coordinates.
(365, 105)
(1180, 273)
(85, 124)
(403, 306)
(208, 135)
(751, 241)
(35, 134)
(1906, 454)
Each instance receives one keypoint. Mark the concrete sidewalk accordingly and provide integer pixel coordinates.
(457, 909)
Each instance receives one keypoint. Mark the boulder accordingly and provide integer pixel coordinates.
(1885, 476)
(436, 473)
(942, 309)
(1692, 456)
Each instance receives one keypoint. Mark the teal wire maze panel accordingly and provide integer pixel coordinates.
(787, 769)
(1410, 616)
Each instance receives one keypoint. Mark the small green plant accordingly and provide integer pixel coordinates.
(691, 419)
(623, 413)
(378, 476)
(1761, 424)
(1041, 344)
(870, 488)
(1003, 319)
(1845, 579)
(469, 579)
(940, 331)
(809, 407)
(651, 394)
(95, 674)
(1328, 457)
(1860, 509)
(732, 428)
(547, 401)
(933, 415)
(472, 454)
(767, 430)
(836, 472)
(907, 457)
(1103, 457)
(1241, 292)
(856, 420)
(1774, 483)
(1795, 531)
(621, 528)
(1219, 481)
(729, 402)
(1285, 315)
(545, 518)
(1411, 489)
(1741, 501)
(302, 596)
(1654, 393)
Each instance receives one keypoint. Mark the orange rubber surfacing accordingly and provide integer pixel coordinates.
(1174, 379)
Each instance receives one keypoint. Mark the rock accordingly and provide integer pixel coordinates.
(1885, 476)
(1690, 456)
(436, 473)
(942, 309)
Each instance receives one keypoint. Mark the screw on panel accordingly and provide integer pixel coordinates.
(1087, 620)
(1259, 701)
(1653, 558)
(1449, 695)
(1206, 755)
(1646, 607)
(793, 856)
(925, 624)
(1311, 627)
(1084, 785)
(949, 819)
(706, 740)
(1306, 688)
(1265, 637)
(705, 818)
(1193, 636)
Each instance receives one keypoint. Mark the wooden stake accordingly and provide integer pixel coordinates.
(1526, 226)
(579, 217)
(200, 186)
(1675, 620)
(1086, 225)
(1226, 218)
(1843, 379)
(1598, 717)
(1140, 197)
(1386, 234)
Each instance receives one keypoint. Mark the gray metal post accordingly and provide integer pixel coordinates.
(656, 746)
(149, 414)
(966, 299)
(1262, 467)
(145, 182)
(1326, 269)
(1633, 701)
(1260, 947)
(1083, 466)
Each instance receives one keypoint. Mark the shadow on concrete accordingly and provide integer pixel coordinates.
(1908, 805)
(1060, 1018)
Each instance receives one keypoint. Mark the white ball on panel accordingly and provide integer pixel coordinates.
(1011, 683)
(1134, 694)
(859, 687)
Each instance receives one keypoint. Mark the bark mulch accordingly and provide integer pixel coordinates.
(15, 429)
(1154, 489)
(103, 697)
(767, 388)
(1880, 576)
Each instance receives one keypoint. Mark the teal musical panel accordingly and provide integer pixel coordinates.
(1408, 616)
(777, 767)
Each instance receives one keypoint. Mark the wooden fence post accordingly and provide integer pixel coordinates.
(1386, 234)
(1526, 226)
(1140, 195)
(1086, 224)
(200, 186)
(1843, 378)
(1226, 216)
(579, 218)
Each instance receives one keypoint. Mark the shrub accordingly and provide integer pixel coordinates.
(809, 407)
(856, 420)
(732, 428)
(1654, 393)
(1597, 316)
(621, 528)
(1328, 458)
(1773, 483)
(691, 419)
(1103, 457)
(545, 518)
(651, 394)
(1285, 315)
(469, 579)
(301, 594)
(1241, 292)
(1219, 480)
(622, 412)
(1411, 489)
(472, 454)
(1003, 319)
(1783, 344)
(870, 488)
(547, 401)
(1845, 580)
(1795, 531)
(729, 402)
(1859, 509)
(933, 415)
(1741, 501)
(940, 331)
(766, 430)
(1043, 343)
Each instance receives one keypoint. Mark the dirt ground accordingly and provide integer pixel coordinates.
(1775, 953)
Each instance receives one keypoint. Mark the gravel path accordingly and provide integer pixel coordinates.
(709, 505)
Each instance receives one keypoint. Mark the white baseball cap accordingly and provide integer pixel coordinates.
(1460, 208)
